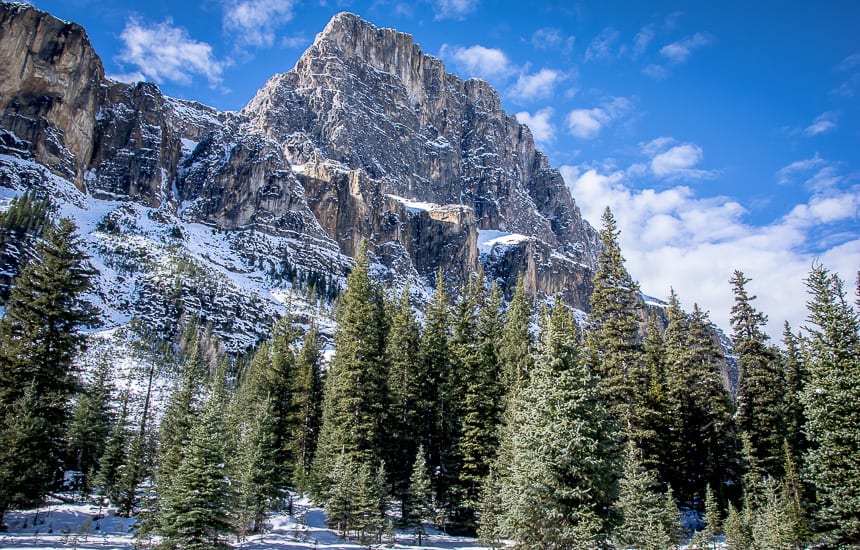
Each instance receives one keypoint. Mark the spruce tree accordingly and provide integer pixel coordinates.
(257, 470)
(830, 397)
(645, 522)
(760, 409)
(564, 463)
(308, 400)
(194, 514)
(772, 526)
(713, 517)
(738, 528)
(613, 345)
(654, 424)
(419, 501)
(516, 352)
(90, 425)
(793, 373)
(115, 453)
(22, 224)
(407, 384)
(354, 398)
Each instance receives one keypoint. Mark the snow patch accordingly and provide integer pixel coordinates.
(491, 238)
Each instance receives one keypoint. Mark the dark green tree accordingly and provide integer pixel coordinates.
(22, 224)
(257, 470)
(308, 400)
(419, 501)
(90, 425)
(761, 390)
(830, 397)
(516, 352)
(613, 344)
(113, 459)
(713, 517)
(355, 389)
(793, 373)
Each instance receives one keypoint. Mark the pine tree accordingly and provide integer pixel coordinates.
(195, 513)
(760, 410)
(793, 373)
(39, 339)
(90, 425)
(516, 352)
(22, 224)
(738, 529)
(308, 400)
(642, 507)
(115, 452)
(354, 397)
(713, 517)
(772, 526)
(564, 463)
(830, 397)
(613, 345)
(419, 499)
(654, 424)
(257, 476)
(407, 383)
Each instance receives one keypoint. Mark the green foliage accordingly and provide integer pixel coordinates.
(647, 523)
(257, 470)
(830, 397)
(22, 224)
(90, 424)
(418, 504)
(563, 469)
(713, 517)
(738, 529)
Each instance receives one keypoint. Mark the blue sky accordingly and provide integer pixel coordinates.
(724, 135)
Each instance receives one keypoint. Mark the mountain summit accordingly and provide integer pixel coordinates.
(366, 138)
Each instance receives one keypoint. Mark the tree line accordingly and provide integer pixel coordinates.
(476, 416)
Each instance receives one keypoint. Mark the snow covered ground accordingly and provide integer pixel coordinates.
(61, 525)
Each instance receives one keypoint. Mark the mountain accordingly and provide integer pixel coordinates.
(224, 215)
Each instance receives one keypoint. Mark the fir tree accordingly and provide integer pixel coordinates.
(654, 425)
(713, 517)
(760, 410)
(772, 525)
(115, 452)
(195, 513)
(516, 352)
(563, 469)
(793, 374)
(257, 475)
(830, 397)
(645, 522)
(354, 397)
(613, 345)
(90, 425)
(738, 529)
(407, 383)
(419, 500)
(308, 400)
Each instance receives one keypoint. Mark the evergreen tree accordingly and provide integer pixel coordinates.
(563, 471)
(516, 352)
(39, 339)
(114, 456)
(308, 400)
(738, 529)
(407, 383)
(257, 476)
(792, 495)
(655, 423)
(613, 345)
(419, 501)
(194, 513)
(22, 224)
(793, 374)
(830, 397)
(772, 525)
(90, 425)
(354, 397)
(342, 494)
(27, 466)
(713, 517)
(645, 522)
(760, 410)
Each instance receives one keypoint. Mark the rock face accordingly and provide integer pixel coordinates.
(365, 138)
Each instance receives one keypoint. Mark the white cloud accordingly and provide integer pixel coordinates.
(478, 61)
(601, 46)
(164, 52)
(655, 72)
(679, 52)
(552, 39)
(254, 22)
(672, 238)
(786, 174)
(823, 123)
(537, 85)
(540, 124)
(671, 161)
(454, 9)
(641, 41)
(588, 123)
(817, 174)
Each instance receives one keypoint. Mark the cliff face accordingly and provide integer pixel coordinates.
(366, 138)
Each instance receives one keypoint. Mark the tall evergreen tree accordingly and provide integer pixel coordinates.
(115, 453)
(760, 409)
(22, 224)
(563, 472)
(308, 400)
(355, 389)
(613, 345)
(654, 425)
(830, 397)
(39, 339)
(407, 384)
(516, 352)
(713, 517)
(90, 425)
(257, 470)
(793, 373)
(419, 501)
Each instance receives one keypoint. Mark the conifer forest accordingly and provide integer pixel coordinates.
(477, 414)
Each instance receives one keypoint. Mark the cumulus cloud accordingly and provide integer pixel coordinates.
(588, 123)
(601, 46)
(254, 22)
(164, 52)
(540, 124)
(537, 85)
(823, 123)
(670, 160)
(673, 238)
(679, 52)
(478, 61)
(454, 9)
